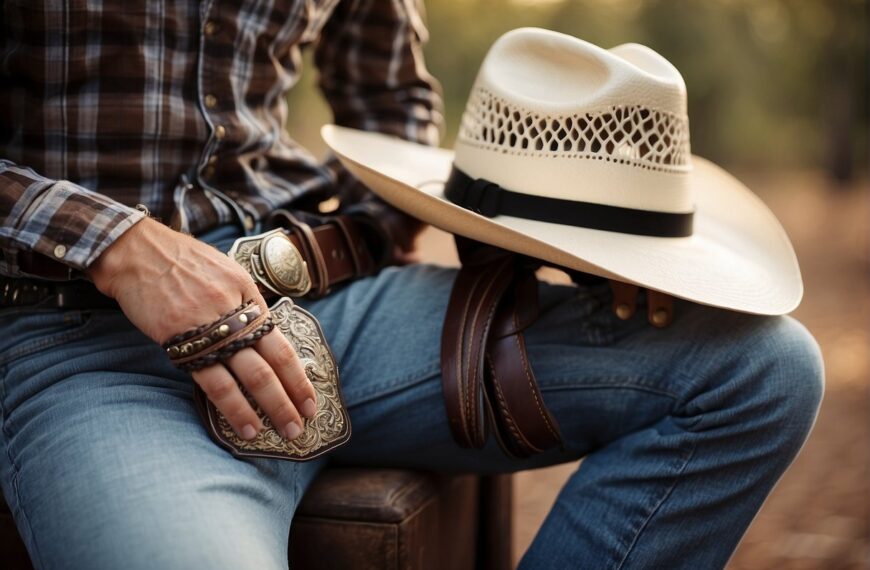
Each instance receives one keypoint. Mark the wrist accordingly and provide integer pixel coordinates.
(115, 259)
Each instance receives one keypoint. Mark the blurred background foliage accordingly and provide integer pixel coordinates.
(772, 84)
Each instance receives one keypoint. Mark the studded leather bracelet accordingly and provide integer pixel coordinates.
(217, 341)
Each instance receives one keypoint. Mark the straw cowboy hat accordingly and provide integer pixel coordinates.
(579, 156)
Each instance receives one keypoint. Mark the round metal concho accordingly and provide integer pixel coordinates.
(284, 265)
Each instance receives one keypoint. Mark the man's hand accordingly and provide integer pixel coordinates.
(168, 283)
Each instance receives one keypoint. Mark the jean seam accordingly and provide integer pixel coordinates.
(657, 507)
(35, 558)
(622, 385)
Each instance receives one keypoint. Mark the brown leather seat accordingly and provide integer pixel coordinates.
(379, 519)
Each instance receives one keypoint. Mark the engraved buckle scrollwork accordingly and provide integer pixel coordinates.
(329, 428)
(273, 261)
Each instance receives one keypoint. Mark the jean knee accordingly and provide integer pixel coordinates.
(789, 379)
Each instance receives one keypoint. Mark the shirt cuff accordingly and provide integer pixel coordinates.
(69, 224)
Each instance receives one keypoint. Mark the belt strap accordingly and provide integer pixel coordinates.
(78, 294)
(487, 380)
(335, 253)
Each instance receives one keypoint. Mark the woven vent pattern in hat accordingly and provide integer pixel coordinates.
(626, 134)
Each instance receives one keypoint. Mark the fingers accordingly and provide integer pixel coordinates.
(250, 289)
(262, 383)
(277, 351)
(221, 388)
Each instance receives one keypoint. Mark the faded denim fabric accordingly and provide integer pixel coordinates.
(684, 430)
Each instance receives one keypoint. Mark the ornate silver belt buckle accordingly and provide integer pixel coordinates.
(329, 428)
(273, 261)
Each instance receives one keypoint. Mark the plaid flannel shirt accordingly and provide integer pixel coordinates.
(103, 108)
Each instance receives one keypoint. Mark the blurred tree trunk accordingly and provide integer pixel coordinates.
(845, 67)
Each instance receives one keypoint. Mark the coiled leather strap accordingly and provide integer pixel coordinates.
(524, 424)
(487, 380)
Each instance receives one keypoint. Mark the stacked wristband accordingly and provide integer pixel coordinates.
(217, 341)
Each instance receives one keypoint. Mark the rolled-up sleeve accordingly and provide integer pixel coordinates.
(56, 219)
(372, 73)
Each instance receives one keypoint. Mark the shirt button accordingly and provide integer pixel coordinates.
(210, 101)
(220, 132)
(59, 251)
(212, 160)
(211, 28)
(249, 222)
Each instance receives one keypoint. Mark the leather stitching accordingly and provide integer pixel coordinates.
(460, 392)
(519, 439)
(481, 343)
(527, 371)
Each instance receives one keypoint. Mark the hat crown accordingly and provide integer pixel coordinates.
(548, 93)
(613, 118)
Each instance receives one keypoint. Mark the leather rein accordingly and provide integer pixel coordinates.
(487, 380)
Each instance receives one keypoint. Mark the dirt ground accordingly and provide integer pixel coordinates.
(817, 516)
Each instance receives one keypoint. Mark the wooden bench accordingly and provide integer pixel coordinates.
(378, 519)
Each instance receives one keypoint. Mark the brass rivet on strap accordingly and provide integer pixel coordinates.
(660, 317)
(173, 352)
(224, 330)
(243, 318)
(623, 311)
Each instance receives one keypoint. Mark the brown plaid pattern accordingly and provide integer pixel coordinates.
(180, 106)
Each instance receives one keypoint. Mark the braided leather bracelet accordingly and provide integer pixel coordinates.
(180, 338)
(227, 351)
(217, 341)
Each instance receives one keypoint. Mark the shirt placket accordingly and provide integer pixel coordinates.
(215, 100)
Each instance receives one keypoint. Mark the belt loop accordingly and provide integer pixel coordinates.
(340, 222)
(316, 256)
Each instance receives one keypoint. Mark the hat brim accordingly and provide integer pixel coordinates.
(739, 257)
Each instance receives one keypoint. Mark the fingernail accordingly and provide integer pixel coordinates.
(248, 432)
(308, 408)
(292, 430)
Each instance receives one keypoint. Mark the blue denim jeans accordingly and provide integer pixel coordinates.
(684, 430)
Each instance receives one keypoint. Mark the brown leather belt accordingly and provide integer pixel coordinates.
(487, 380)
(334, 252)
